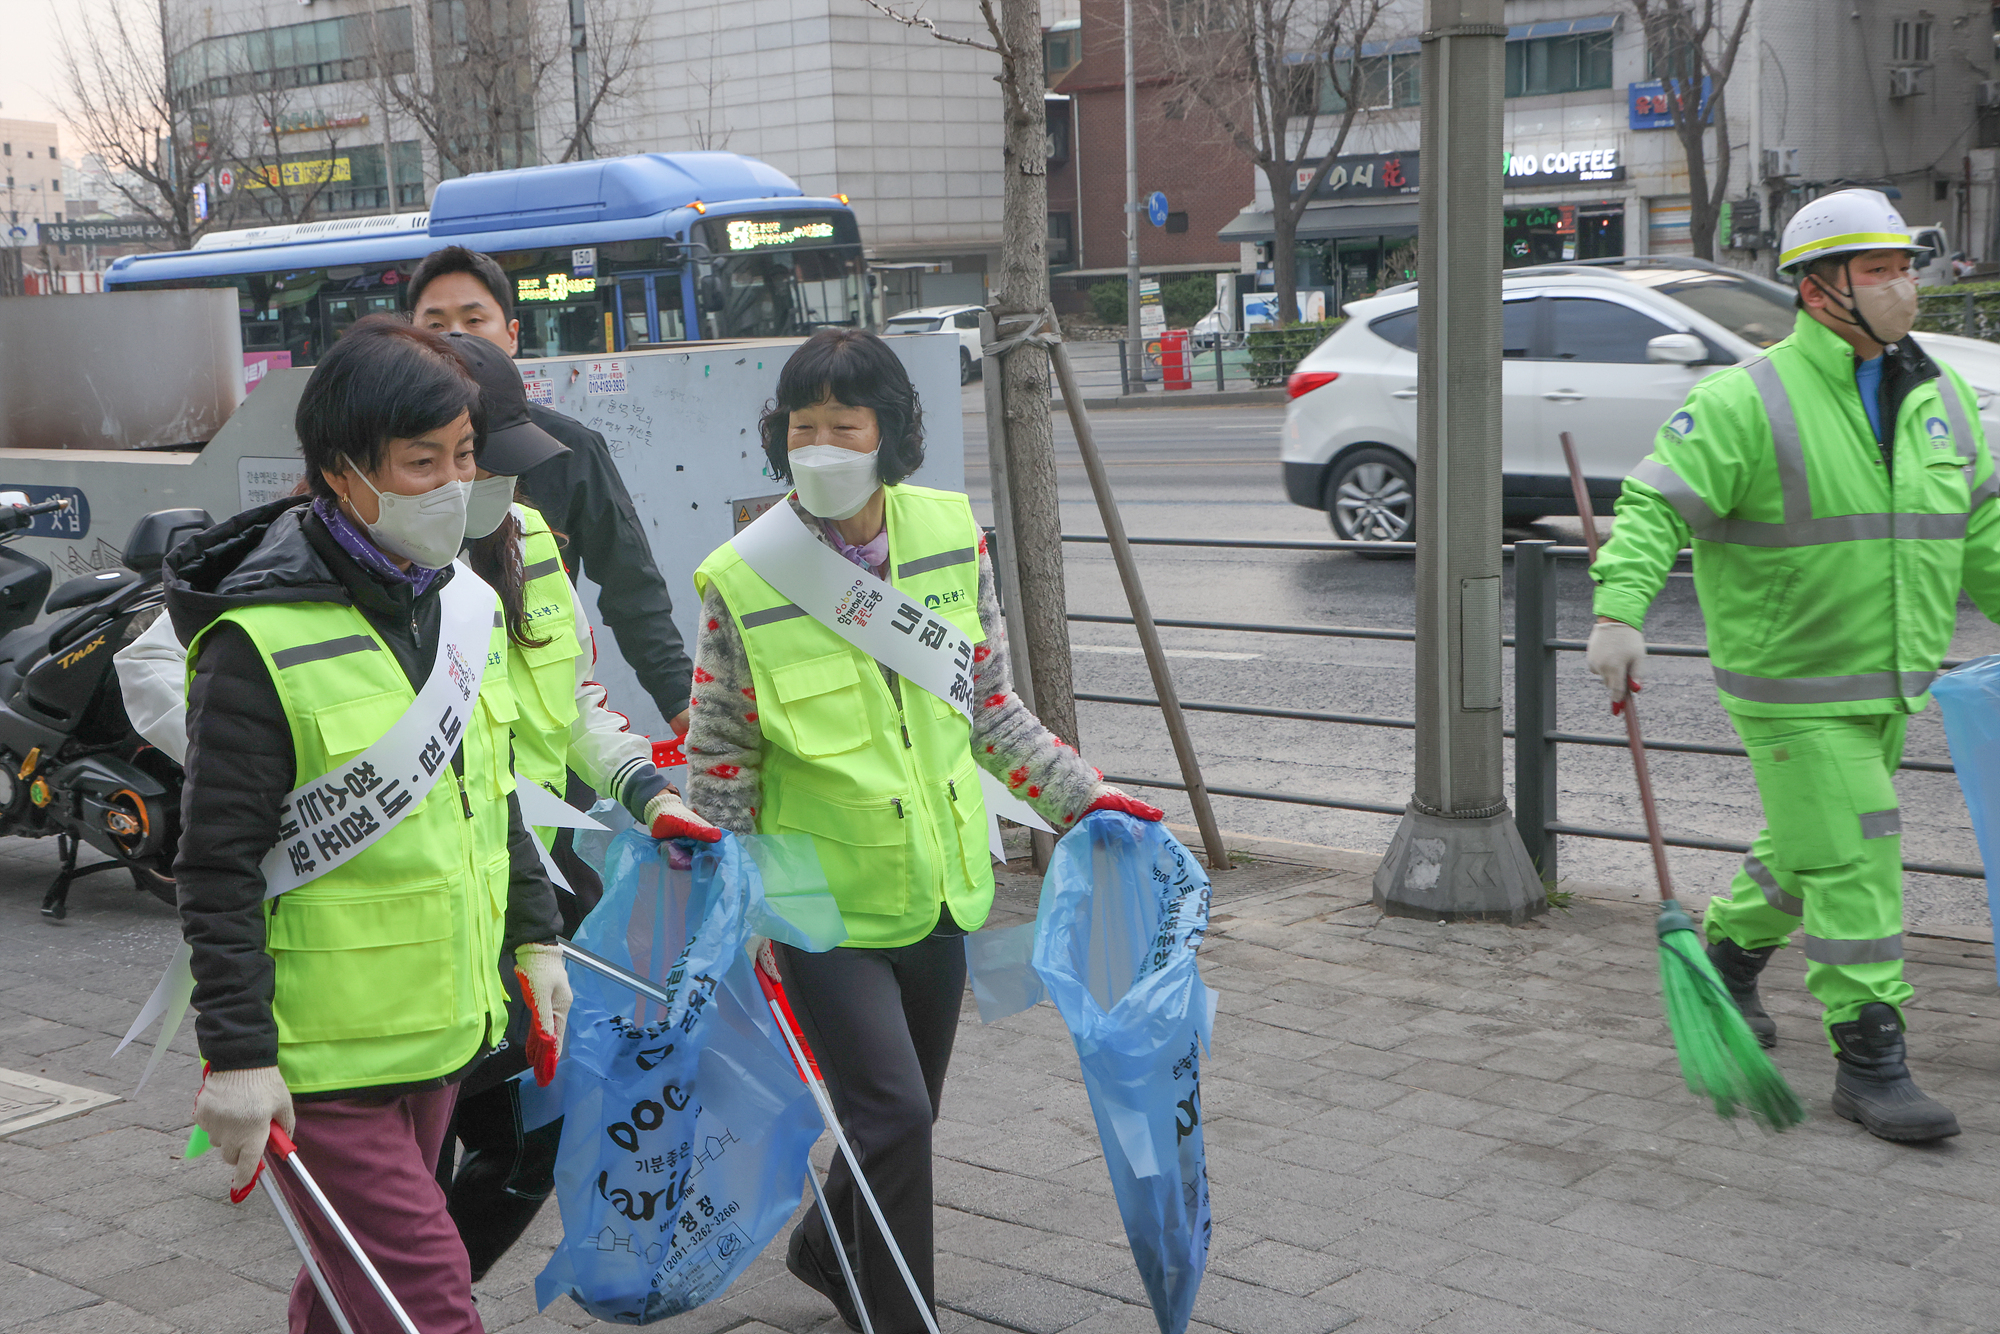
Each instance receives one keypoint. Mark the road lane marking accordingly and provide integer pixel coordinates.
(1132, 651)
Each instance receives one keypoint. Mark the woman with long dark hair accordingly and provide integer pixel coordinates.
(795, 730)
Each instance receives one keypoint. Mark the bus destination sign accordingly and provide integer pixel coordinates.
(766, 233)
(554, 287)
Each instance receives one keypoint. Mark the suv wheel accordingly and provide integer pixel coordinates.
(964, 366)
(1371, 496)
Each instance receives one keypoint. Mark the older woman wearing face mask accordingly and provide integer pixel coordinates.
(1838, 493)
(355, 869)
(794, 730)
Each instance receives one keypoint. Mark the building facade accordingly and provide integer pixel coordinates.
(1182, 154)
(1864, 94)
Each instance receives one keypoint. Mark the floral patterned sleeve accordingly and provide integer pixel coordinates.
(724, 742)
(1008, 741)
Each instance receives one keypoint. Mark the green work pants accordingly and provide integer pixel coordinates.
(1830, 855)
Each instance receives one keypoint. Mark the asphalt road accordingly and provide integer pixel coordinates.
(1213, 472)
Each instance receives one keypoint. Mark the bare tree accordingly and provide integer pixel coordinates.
(268, 187)
(1239, 59)
(152, 124)
(1014, 34)
(1692, 46)
(487, 73)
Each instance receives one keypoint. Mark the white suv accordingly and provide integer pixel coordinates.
(1605, 350)
(930, 319)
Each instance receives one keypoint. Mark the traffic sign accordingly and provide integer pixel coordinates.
(225, 179)
(1156, 209)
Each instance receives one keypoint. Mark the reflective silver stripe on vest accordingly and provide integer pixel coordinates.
(1824, 689)
(1774, 893)
(1673, 488)
(1784, 438)
(1839, 528)
(499, 621)
(752, 620)
(1841, 953)
(1954, 412)
(1985, 491)
(541, 568)
(1882, 824)
(326, 648)
(925, 564)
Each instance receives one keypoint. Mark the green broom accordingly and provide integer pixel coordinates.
(1720, 1057)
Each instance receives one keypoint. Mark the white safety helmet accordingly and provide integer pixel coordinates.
(1846, 222)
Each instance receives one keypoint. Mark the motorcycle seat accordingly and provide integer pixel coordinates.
(89, 588)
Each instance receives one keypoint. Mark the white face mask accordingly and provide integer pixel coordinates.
(834, 483)
(487, 506)
(426, 530)
(1885, 312)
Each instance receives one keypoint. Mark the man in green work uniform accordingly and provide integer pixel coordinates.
(1838, 493)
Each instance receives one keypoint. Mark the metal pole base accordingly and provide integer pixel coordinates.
(1454, 869)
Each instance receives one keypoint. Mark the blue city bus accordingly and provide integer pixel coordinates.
(605, 256)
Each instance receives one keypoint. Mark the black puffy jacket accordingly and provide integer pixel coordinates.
(240, 763)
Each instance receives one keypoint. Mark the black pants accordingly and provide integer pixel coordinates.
(881, 1023)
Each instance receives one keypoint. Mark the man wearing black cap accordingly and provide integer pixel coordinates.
(460, 290)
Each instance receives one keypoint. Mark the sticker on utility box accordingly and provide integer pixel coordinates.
(605, 377)
(261, 481)
(541, 389)
(749, 511)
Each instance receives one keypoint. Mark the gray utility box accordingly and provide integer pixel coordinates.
(681, 425)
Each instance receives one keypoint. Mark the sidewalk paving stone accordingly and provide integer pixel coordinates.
(1411, 1127)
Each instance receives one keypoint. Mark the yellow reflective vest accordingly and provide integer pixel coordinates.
(544, 677)
(882, 779)
(387, 968)
(1828, 579)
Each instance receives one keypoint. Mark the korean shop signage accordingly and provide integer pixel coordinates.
(1365, 175)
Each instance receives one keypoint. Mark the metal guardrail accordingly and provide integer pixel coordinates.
(1228, 360)
(1535, 761)
(1973, 314)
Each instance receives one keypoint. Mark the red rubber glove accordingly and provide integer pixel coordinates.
(667, 816)
(545, 986)
(1114, 800)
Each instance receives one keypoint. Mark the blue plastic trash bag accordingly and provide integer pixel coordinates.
(686, 1127)
(1969, 697)
(1123, 907)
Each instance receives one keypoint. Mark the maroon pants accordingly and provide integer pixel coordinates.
(377, 1163)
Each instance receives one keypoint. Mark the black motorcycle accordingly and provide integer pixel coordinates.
(70, 763)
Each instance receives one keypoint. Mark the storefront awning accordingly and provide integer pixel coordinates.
(1324, 222)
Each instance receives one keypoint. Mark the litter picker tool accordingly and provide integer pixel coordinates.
(283, 1150)
(1720, 1057)
(298, 1237)
(808, 1068)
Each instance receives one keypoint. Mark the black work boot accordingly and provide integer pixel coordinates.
(1739, 968)
(1874, 1086)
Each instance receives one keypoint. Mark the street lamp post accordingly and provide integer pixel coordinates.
(1457, 854)
(1136, 377)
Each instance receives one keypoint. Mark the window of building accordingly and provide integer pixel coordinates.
(1910, 41)
(52, 155)
(1177, 222)
(6, 150)
(1378, 83)
(1057, 130)
(298, 55)
(55, 185)
(1061, 48)
(1559, 64)
(1061, 248)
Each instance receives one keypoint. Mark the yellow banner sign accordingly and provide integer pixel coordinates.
(318, 171)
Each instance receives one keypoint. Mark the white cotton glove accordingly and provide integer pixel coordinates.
(236, 1109)
(667, 816)
(1615, 653)
(545, 986)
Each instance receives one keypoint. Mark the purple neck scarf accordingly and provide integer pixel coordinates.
(872, 555)
(369, 556)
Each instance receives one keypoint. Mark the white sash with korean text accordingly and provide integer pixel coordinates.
(328, 822)
(877, 618)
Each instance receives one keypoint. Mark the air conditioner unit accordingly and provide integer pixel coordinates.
(1906, 81)
(1780, 162)
(1989, 93)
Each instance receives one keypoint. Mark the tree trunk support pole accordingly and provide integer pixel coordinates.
(1142, 611)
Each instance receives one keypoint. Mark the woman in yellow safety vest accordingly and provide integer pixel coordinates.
(348, 1008)
(794, 730)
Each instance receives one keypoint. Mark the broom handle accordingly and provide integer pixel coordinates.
(1633, 740)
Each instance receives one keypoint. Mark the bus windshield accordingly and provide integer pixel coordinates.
(778, 275)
